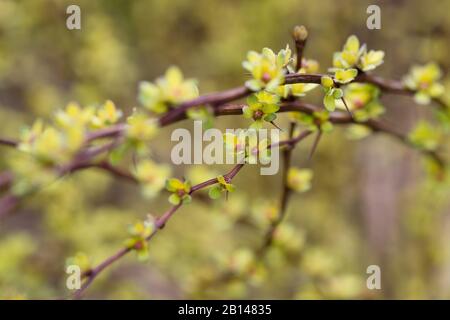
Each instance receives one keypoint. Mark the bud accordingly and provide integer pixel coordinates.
(300, 33)
(327, 82)
(337, 93)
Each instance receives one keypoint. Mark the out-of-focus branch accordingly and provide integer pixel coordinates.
(105, 166)
(116, 171)
(8, 142)
(286, 191)
(220, 98)
(236, 109)
(217, 101)
(300, 35)
(91, 274)
(386, 85)
(288, 145)
(9, 201)
(5, 180)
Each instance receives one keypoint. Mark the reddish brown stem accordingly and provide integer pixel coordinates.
(8, 142)
(91, 274)
(286, 191)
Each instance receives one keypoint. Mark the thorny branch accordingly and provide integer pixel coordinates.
(218, 99)
(91, 274)
(300, 36)
(9, 202)
(286, 191)
(220, 102)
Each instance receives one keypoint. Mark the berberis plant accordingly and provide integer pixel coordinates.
(79, 138)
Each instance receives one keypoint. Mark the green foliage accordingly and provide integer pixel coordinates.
(139, 232)
(223, 186)
(355, 55)
(289, 239)
(81, 260)
(180, 191)
(266, 68)
(268, 71)
(318, 251)
(245, 147)
(315, 121)
(152, 177)
(425, 136)
(30, 174)
(352, 58)
(345, 76)
(141, 129)
(327, 82)
(242, 262)
(299, 180)
(357, 132)
(425, 79)
(261, 107)
(16, 254)
(168, 91)
(57, 143)
(106, 115)
(331, 93)
(204, 114)
(363, 100)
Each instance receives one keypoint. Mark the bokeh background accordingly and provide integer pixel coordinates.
(371, 202)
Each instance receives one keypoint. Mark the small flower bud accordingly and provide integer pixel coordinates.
(337, 93)
(327, 82)
(300, 33)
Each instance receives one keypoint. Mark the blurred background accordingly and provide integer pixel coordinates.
(371, 202)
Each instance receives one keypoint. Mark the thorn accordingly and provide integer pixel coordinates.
(134, 160)
(226, 195)
(346, 107)
(274, 124)
(315, 143)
